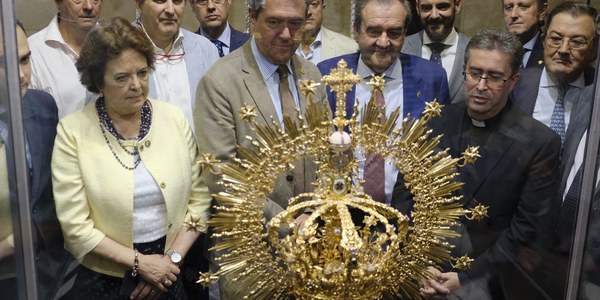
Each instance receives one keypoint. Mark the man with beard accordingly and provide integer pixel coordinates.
(212, 15)
(440, 42)
(410, 81)
(261, 76)
(319, 43)
(55, 49)
(516, 177)
(525, 18)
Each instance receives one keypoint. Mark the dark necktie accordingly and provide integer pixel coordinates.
(557, 122)
(374, 173)
(288, 108)
(524, 62)
(436, 52)
(219, 45)
(568, 213)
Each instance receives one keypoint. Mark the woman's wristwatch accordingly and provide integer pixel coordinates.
(175, 256)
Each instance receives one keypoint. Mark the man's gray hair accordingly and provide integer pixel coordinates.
(499, 40)
(257, 5)
(360, 4)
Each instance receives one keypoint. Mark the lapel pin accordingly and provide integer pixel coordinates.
(419, 94)
(540, 62)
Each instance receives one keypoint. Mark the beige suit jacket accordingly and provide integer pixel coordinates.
(234, 81)
(335, 44)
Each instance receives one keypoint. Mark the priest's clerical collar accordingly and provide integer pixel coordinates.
(477, 123)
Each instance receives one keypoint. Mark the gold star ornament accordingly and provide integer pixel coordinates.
(248, 113)
(463, 263)
(209, 162)
(479, 212)
(194, 224)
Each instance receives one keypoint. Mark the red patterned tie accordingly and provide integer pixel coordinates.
(374, 173)
(288, 107)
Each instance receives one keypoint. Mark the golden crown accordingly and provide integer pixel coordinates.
(329, 256)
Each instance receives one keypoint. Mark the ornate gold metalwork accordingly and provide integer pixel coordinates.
(479, 212)
(195, 225)
(330, 256)
(463, 263)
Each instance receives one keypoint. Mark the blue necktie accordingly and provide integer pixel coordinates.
(557, 122)
(436, 52)
(219, 45)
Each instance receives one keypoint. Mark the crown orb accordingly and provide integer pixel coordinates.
(340, 141)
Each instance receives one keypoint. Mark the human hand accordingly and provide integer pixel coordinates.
(157, 271)
(144, 291)
(433, 287)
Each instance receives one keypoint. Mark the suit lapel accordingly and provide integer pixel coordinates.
(256, 88)
(411, 87)
(455, 78)
(33, 137)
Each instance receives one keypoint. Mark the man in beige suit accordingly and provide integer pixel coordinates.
(248, 77)
(319, 43)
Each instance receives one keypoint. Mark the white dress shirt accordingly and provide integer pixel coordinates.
(53, 70)
(271, 77)
(315, 50)
(547, 96)
(170, 77)
(448, 55)
(394, 98)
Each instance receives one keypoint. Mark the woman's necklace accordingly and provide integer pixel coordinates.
(106, 124)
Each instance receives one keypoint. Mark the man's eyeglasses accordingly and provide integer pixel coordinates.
(493, 82)
(205, 2)
(95, 2)
(556, 41)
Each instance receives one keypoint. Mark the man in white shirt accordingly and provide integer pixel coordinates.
(182, 57)
(525, 18)
(212, 15)
(551, 93)
(440, 42)
(319, 43)
(55, 49)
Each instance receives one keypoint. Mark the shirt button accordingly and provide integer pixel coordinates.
(289, 178)
(163, 185)
(142, 148)
(147, 144)
(170, 225)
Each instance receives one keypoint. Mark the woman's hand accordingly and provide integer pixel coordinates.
(158, 271)
(145, 291)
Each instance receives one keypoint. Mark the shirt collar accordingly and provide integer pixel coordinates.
(267, 69)
(177, 47)
(225, 37)
(451, 39)
(529, 45)
(546, 80)
(393, 72)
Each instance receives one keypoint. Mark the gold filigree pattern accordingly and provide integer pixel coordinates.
(350, 247)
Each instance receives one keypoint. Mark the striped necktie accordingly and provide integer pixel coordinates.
(374, 173)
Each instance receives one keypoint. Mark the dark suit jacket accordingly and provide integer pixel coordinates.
(40, 117)
(536, 58)
(237, 38)
(525, 92)
(423, 81)
(413, 45)
(516, 177)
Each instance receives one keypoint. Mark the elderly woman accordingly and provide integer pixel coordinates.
(129, 194)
